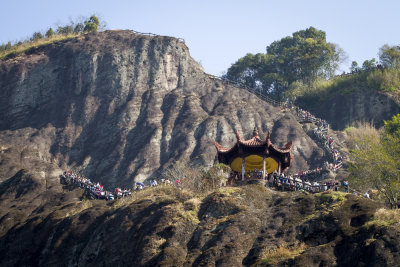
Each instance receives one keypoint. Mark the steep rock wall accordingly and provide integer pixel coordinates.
(345, 110)
(122, 106)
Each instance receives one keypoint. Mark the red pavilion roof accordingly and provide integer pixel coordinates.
(255, 141)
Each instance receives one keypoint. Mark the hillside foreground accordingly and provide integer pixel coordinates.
(122, 107)
(249, 225)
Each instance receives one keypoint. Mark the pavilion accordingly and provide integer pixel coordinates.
(255, 158)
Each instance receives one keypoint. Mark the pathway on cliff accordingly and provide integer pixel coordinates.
(320, 134)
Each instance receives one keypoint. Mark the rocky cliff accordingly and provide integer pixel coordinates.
(345, 109)
(122, 106)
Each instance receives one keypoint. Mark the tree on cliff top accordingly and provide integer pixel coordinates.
(302, 57)
(390, 56)
(92, 24)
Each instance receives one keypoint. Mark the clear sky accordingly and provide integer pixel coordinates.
(221, 31)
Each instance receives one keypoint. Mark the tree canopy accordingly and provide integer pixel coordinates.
(393, 126)
(375, 162)
(92, 24)
(302, 57)
(390, 56)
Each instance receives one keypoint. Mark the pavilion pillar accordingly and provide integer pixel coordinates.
(243, 168)
(263, 173)
(279, 167)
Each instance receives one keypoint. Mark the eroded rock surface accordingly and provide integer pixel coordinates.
(345, 110)
(122, 106)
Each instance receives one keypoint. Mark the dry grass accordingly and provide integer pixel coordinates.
(330, 201)
(161, 193)
(283, 252)
(156, 245)
(359, 131)
(190, 216)
(191, 210)
(228, 191)
(369, 241)
(385, 217)
(19, 49)
(192, 204)
(74, 209)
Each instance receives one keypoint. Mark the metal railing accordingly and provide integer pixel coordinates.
(250, 89)
(157, 35)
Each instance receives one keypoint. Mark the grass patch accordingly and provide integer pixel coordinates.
(191, 210)
(190, 216)
(23, 48)
(74, 209)
(228, 191)
(283, 252)
(320, 91)
(161, 193)
(369, 241)
(330, 201)
(384, 218)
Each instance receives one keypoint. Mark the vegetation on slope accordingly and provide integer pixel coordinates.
(234, 226)
(375, 160)
(303, 57)
(365, 80)
(71, 30)
(302, 68)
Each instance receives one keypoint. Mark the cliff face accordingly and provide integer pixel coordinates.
(344, 110)
(122, 106)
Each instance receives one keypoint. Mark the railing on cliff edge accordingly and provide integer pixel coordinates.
(250, 89)
(157, 35)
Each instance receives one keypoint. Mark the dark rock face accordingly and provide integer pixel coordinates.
(345, 110)
(122, 106)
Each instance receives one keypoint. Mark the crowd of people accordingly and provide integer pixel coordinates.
(300, 183)
(94, 190)
(321, 132)
(322, 136)
(305, 116)
(97, 191)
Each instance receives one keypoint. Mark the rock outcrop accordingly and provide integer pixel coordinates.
(122, 106)
(345, 110)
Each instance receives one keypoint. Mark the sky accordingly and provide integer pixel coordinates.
(220, 32)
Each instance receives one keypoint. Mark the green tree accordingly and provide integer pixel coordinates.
(79, 28)
(65, 30)
(375, 164)
(389, 56)
(387, 79)
(92, 24)
(304, 57)
(49, 33)
(36, 36)
(354, 67)
(393, 126)
(215, 176)
(369, 65)
(8, 46)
